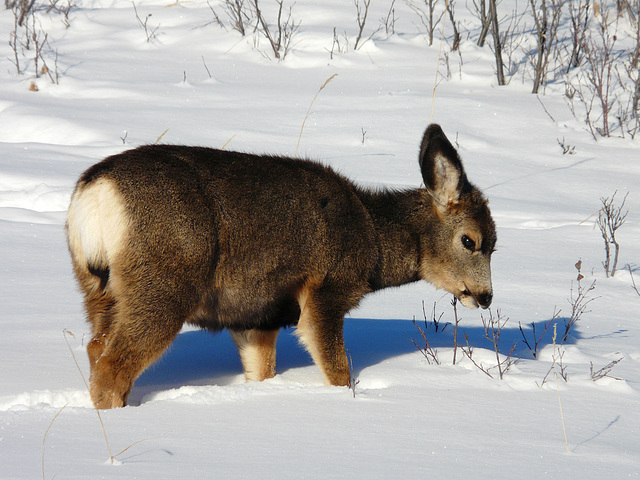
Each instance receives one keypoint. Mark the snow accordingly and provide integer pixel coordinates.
(191, 414)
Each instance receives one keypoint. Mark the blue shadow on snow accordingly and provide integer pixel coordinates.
(201, 358)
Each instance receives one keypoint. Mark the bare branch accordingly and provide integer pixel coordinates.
(497, 46)
(492, 330)
(633, 281)
(362, 11)
(604, 371)
(427, 351)
(579, 305)
(468, 352)
(427, 15)
(537, 339)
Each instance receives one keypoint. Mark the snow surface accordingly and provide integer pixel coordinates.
(191, 415)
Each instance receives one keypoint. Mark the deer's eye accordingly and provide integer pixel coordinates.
(468, 243)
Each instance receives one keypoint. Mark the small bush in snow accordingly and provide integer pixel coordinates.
(610, 219)
(149, 30)
(493, 326)
(578, 301)
(30, 43)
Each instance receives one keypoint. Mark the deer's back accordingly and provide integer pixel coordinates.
(246, 230)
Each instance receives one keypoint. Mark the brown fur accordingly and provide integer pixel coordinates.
(163, 235)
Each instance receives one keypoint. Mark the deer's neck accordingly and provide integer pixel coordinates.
(394, 214)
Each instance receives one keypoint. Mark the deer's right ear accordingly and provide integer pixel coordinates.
(442, 170)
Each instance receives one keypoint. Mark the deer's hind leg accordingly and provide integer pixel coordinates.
(99, 304)
(143, 323)
(257, 349)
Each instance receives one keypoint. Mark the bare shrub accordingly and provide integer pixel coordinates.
(513, 34)
(286, 28)
(604, 371)
(388, 22)
(566, 148)
(628, 113)
(427, 351)
(455, 44)
(579, 302)
(601, 59)
(497, 45)
(241, 15)
(546, 16)
(454, 304)
(434, 322)
(61, 7)
(481, 11)
(23, 9)
(149, 30)
(536, 339)
(633, 280)
(628, 6)
(610, 219)
(596, 86)
(579, 17)
(429, 13)
(15, 43)
(339, 45)
(30, 43)
(353, 381)
(492, 331)
(362, 12)
(629, 77)
(468, 352)
(237, 14)
(557, 361)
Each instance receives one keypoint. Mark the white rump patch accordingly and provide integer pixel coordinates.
(97, 222)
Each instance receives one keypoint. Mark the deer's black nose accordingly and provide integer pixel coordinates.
(484, 299)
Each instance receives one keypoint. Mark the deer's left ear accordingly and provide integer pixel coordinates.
(442, 170)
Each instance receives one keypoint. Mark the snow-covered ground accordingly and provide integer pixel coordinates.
(191, 415)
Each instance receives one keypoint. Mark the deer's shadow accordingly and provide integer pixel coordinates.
(198, 357)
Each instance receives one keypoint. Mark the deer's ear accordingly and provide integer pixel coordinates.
(442, 170)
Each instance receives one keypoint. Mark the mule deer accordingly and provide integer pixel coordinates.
(162, 235)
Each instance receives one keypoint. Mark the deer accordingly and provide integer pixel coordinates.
(166, 235)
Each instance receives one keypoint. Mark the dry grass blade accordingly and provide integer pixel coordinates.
(66, 332)
(160, 137)
(309, 109)
(228, 142)
(46, 433)
(563, 375)
(133, 444)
